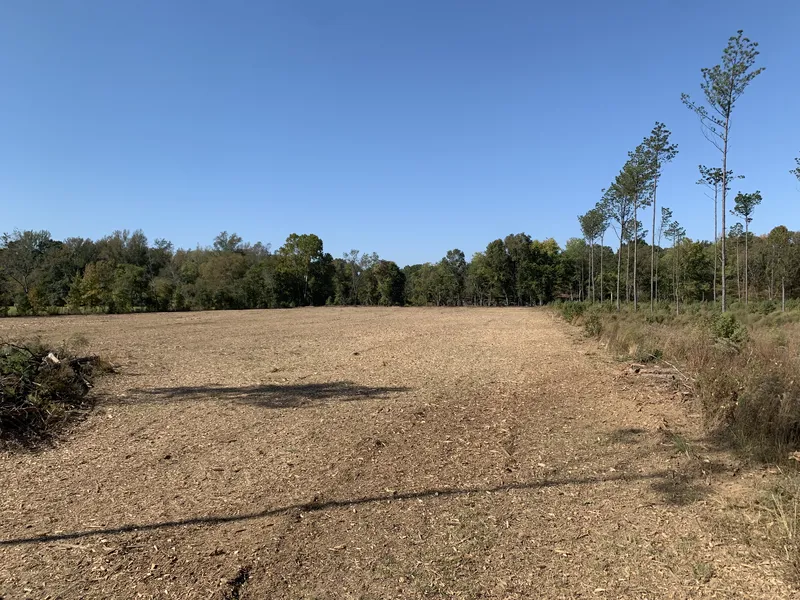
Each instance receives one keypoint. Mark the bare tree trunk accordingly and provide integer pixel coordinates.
(601, 266)
(738, 274)
(653, 251)
(635, 246)
(628, 272)
(724, 198)
(619, 265)
(746, 282)
(658, 259)
(716, 240)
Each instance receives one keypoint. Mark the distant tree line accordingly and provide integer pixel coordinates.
(123, 272)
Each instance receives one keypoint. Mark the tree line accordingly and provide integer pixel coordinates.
(123, 272)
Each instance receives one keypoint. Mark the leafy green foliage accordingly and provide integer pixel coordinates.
(724, 83)
(745, 204)
(572, 310)
(727, 328)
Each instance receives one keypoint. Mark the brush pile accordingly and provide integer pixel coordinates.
(42, 389)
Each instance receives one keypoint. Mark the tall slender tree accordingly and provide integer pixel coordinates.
(593, 224)
(661, 151)
(618, 207)
(712, 178)
(675, 233)
(745, 205)
(635, 181)
(723, 85)
(600, 208)
(666, 219)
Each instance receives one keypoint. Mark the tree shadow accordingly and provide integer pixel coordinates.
(627, 435)
(316, 506)
(265, 396)
(679, 485)
(694, 461)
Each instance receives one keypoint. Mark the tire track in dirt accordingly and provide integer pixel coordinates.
(373, 453)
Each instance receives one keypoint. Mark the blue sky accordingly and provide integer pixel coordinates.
(402, 128)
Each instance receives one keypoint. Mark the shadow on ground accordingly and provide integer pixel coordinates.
(266, 396)
(680, 484)
(315, 506)
(694, 462)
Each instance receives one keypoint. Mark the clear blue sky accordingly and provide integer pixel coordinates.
(405, 128)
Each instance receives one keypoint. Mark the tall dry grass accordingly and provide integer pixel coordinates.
(744, 366)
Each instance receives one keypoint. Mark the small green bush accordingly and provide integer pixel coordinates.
(23, 305)
(593, 325)
(572, 310)
(727, 328)
(764, 307)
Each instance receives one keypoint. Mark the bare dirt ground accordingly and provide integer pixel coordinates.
(375, 453)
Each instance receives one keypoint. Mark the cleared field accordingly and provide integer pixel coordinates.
(374, 453)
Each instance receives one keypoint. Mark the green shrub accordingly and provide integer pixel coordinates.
(572, 310)
(727, 328)
(764, 307)
(593, 326)
(23, 305)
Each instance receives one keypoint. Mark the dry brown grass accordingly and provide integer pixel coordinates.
(375, 453)
(742, 367)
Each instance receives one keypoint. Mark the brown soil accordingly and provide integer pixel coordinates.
(376, 453)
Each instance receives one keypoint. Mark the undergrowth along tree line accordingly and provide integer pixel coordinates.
(741, 365)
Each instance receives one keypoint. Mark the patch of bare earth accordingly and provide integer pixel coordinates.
(374, 453)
